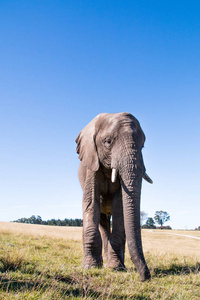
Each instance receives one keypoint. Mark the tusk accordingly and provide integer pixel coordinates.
(114, 175)
(147, 178)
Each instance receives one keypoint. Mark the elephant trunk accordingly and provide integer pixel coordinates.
(131, 171)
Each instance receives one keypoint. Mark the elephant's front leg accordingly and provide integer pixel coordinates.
(92, 242)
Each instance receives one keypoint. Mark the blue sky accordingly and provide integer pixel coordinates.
(64, 62)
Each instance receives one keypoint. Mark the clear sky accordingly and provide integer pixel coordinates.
(64, 62)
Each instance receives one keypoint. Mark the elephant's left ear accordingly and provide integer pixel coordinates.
(86, 147)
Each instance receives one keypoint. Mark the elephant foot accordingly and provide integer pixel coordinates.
(87, 267)
(118, 266)
(91, 263)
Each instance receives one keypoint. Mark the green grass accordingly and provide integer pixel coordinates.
(44, 267)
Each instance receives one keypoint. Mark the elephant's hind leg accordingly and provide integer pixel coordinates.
(105, 233)
(116, 247)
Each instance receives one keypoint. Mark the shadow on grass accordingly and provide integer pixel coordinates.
(18, 283)
(176, 269)
(69, 289)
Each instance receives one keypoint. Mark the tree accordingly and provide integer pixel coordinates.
(143, 216)
(161, 217)
(38, 220)
(150, 223)
(35, 220)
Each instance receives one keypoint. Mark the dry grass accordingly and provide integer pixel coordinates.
(44, 262)
(154, 241)
(165, 242)
(57, 232)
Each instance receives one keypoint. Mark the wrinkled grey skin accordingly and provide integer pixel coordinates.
(112, 141)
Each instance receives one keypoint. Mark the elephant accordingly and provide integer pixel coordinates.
(110, 174)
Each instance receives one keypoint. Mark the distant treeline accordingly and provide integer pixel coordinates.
(58, 222)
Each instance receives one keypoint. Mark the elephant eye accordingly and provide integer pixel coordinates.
(107, 142)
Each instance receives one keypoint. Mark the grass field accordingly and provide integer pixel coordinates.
(44, 262)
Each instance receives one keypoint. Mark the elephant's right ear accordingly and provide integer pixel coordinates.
(86, 147)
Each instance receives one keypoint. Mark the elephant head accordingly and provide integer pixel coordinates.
(113, 144)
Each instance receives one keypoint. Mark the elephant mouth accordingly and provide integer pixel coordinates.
(114, 176)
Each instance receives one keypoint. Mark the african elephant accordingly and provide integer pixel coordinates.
(110, 174)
